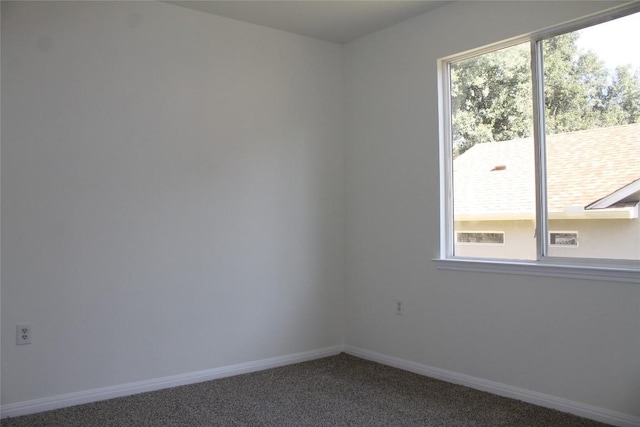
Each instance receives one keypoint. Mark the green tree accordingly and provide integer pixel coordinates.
(491, 93)
(623, 95)
(575, 86)
(491, 97)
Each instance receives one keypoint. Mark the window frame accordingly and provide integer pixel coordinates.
(544, 265)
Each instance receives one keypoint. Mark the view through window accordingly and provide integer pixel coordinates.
(589, 173)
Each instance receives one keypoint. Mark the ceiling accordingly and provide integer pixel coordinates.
(338, 21)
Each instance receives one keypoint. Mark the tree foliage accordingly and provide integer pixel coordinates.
(492, 101)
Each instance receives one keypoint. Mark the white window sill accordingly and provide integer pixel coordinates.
(524, 268)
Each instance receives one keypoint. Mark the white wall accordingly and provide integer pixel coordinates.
(172, 193)
(0, 202)
(574, 339)
(173, 200)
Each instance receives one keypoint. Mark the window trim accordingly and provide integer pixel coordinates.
(540, 269)
(545, 265)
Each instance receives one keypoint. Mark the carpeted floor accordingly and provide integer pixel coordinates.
(336, 391)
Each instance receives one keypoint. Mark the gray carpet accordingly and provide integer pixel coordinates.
(336, 391)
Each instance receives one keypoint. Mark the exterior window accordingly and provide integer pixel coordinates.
(563, 239)
(492, 149)
(543, 134)
(480, 238)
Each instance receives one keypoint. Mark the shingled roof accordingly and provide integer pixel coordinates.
(496, 180)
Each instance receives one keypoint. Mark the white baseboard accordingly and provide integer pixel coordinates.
(545, 400)
(540, 399)
(71, 399)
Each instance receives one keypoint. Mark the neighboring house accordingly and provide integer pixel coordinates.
(593, 185)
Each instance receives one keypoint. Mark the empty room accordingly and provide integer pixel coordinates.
(320, 213)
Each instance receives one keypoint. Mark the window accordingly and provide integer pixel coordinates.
(480, 238)
(563, 239)
(543, 134)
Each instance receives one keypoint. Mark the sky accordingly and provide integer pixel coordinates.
(615, 42)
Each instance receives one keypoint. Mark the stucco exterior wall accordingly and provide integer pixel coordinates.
(603, 238)
(519, 242)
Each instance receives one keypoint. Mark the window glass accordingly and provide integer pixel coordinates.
(592, 123)
(585, 168)
(492, 148)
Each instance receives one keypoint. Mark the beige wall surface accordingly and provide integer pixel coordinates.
(609, 239)
(600, 239)
(519, 241)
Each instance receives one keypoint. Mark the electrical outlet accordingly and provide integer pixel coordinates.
(24, 334)
(399, 306)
